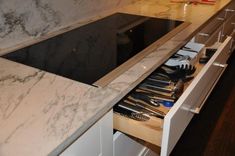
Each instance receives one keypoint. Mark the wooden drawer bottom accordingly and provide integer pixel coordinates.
(150, 131)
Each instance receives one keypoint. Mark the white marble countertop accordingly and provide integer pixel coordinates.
(41, 113)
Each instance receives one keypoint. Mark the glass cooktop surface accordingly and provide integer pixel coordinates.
(89, 52)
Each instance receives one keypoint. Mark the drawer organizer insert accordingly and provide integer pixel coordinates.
(182, 78)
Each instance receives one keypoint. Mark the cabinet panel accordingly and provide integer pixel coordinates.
(228, 27)
(126, 146)
(210, 32)
(96, 141)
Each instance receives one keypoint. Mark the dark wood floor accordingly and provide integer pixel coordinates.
(212, 133)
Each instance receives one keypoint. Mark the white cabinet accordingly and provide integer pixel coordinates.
(96, 141)
(126, 146)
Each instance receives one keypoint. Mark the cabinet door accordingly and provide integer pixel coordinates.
(96, 141)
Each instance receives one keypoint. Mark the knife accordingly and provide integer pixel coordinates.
(156, 90)
(160, 81)
(129, 113)
(155, 95)
(146, 109)
(177, 89)
(166, 89)
(152, 101)
(144, 99)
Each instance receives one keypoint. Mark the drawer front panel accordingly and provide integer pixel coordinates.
(180, 115)
(228, 27)
(96, 141)
(213, 38)
(210, 33)
(225, 49)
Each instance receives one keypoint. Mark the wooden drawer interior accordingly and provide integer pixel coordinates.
(150, 131)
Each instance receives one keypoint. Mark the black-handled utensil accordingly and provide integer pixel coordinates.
(130, 113)
(146, 109)
(144, 98)
(154, 94)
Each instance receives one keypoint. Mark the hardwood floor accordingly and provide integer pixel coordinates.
(212, 132)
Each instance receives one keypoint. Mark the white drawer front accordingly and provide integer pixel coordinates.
(180, 115)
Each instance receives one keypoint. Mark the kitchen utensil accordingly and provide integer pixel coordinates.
(129, 113)
(175, 73)
(146, 109)
(156, 90)
(154, 94)
(193, 47)
(181, 56)
(145, 98)
(160, 80)
(165, 103)
(178, 61)
(189, 50)
(188, 53)
(174, 92)
(172, 87)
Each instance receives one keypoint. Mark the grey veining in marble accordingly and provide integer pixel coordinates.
(39, 111)
(31, 19)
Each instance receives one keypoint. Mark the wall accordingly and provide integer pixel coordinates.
(26, 22)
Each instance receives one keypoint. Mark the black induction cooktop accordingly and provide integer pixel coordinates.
(88, 53)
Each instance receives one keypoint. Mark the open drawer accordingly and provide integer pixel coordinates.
(166, 132)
